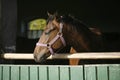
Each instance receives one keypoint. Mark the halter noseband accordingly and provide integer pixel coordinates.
(59, 35)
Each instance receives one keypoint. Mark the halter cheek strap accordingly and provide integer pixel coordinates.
(59, 35)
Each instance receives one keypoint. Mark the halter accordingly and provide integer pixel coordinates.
(59, 35)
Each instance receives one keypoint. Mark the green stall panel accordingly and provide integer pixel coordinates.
(64, 73)
(53, 72)
(60, 72)
(43, 73)
(33, 73)
(24, 73)
(102, 72)
(15, 73)
(114, 72)
(0, 72)
(76, 73)
(6, 73)
(90, 72)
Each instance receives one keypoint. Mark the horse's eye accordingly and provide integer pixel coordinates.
(46, 32)
(49, 30)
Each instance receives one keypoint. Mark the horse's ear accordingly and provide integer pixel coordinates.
(49, 14)
(56, 16)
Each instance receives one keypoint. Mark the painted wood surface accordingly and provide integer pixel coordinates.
(62, 72)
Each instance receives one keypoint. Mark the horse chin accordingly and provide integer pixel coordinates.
(42, 58)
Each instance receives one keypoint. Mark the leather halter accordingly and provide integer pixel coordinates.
(59, 35)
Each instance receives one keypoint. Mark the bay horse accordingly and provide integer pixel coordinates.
(66, 31)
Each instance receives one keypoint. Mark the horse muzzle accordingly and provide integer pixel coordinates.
(41, 57)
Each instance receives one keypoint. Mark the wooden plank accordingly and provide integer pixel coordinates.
(33, 73)
(53, 73)
(14, 72)
(114, 72)
(90, 72)
(64, 73)
(6, 72)
(0, 72)
(99, 55)
(43, 73)
(76, 73)
(24, 73)
(102, 72)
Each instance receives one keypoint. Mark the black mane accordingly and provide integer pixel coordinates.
(75, 23)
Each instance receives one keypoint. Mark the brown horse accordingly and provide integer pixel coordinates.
(63, 31)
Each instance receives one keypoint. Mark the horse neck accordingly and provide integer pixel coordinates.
(66, 49)
(80, 41)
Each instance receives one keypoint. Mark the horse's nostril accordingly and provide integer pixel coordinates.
(35, 57)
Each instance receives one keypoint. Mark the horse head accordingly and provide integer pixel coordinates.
(52, 39)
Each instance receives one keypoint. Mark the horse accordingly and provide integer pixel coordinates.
(66, 31)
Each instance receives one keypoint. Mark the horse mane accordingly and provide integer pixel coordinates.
(71, 20)
(76, 24)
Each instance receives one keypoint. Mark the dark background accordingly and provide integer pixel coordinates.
(101, 13)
